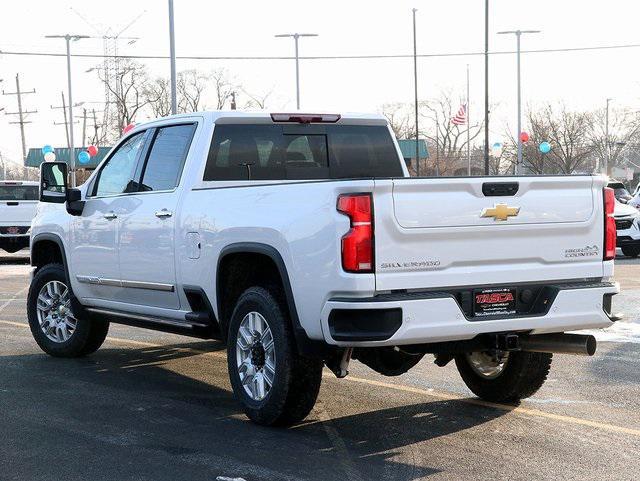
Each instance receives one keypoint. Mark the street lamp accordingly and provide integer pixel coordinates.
(295, 37)
(607, 146)
(72, 156)
(518, 34)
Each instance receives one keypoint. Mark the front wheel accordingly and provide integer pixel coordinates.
(53, 324)
(274, 384)
(631, 251)
(504, 377)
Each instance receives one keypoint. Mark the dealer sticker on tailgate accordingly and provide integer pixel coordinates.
(494, 302)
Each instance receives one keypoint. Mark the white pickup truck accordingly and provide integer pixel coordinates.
(18, 200)
(300, 241)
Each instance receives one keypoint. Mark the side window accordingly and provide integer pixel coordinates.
(241, 152)
(118, 175)
(166, 157)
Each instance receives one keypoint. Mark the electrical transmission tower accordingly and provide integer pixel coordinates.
(111, 68)
(21, 114)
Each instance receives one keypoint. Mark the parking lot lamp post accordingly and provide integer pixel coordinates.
(295, 37)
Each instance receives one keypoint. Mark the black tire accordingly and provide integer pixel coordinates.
(297, 379)
(523, 374)
(88, 335)
(631, 251)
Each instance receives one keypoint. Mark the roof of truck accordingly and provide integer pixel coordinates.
(264, 115)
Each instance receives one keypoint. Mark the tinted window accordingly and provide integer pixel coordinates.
(118, 175)
(240, 152)
(19, 192)
(166, 157)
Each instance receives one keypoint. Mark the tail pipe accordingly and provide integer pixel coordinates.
(579, 344)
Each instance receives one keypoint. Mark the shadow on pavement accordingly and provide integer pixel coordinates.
(130, 414)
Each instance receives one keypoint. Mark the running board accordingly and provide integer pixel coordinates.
(189, 327)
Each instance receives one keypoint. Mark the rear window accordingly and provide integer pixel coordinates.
(276, 152)
(19, 192)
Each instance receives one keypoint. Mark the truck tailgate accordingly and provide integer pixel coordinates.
(17, 212)
(451, 232)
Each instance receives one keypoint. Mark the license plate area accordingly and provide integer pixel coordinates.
(498, 301)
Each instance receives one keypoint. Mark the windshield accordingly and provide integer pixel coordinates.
(18, 192)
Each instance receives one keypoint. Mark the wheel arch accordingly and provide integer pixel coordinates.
(47, 248)
(304, 345)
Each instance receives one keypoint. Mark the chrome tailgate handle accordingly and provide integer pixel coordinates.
(163, 213)
(110, 215)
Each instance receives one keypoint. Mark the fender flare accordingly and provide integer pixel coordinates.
(305, 345)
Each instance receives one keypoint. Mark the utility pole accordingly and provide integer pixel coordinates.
(65, 122)
(84, 127)
(295, 37)
(607, 145)
(415, 90)
(437, 146)
(172, 53)
(518, 34)
(95, 128)
(486, 87)
(468, 122)
(21, 116)
(72, 157)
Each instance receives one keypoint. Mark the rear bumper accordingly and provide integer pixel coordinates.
(435, 317)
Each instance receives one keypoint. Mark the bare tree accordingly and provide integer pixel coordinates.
(127, 88)
(257, 101)
(567, 132)
(159, 97)
(624, 131)
(223, 87)
(190, 86)
(450, 139)
(401, 120)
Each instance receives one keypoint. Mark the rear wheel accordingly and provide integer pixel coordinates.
(274, 384)
(504, 377)
(54, 326)
(631, 251)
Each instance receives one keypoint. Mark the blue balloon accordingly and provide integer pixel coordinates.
(545, 147)
(46, 149)
(84, 157)
(497, 146)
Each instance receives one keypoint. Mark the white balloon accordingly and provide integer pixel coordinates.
(49, 157)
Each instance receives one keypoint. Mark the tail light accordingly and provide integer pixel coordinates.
(357, 244)
(609, 225)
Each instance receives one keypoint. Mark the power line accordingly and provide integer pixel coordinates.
(322, 57)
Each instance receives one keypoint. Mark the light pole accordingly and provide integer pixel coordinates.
(172, 53)
(415, 91)
(518, 34)
(607, 144)
(295, 37)
(72, 156)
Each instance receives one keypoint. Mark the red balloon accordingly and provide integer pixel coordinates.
(92, 150)
(128, 128)
(524, 137)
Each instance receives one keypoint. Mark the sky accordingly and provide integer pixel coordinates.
(579, 80)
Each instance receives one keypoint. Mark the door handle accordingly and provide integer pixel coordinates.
(110, 215)
(163, 213)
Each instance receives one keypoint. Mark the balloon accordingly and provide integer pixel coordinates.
(83, 157)
(49, 157)
(92, 150)
(545, 147)
(496, 146)
(46, 149)
(128, 128)
(524, 137)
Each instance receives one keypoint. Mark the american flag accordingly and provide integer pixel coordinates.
(461, 116)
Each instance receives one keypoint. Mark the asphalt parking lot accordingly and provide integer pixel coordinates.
(153, 406)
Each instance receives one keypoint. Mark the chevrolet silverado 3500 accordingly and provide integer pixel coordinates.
(300, 241)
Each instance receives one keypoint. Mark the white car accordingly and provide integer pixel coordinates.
(18, 201)
(628, 231)
(299, 240)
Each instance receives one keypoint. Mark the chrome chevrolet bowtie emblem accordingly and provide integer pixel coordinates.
(500, 212)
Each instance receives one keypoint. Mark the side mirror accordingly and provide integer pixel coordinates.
(53, 182)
